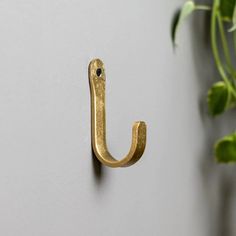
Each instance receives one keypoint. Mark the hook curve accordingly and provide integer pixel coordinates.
(97, 79)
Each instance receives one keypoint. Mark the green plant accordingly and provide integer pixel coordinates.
(222, 95)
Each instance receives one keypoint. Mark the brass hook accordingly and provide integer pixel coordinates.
(97, 81)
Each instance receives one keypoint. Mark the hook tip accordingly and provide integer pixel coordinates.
(140, 133)
(140, 126)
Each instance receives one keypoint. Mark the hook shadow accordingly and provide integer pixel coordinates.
(98, 169)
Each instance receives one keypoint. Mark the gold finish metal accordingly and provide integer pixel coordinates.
(97, 80)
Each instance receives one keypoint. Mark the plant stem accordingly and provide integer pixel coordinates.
(203, 7)
(234, 39)
(214, 44)
(225, 44)
(215, 51)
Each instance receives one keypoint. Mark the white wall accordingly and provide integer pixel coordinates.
(49, 184)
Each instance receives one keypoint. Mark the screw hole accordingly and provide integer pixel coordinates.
(99, 72)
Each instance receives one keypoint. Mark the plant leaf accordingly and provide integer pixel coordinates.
(185, 11)
(227, 9)
(217, 98)
(225, 149)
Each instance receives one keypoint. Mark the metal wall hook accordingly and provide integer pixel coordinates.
(97, 80)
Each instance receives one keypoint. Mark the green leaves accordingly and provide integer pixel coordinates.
(222, 95)
(225, 149)
(228, 12)
(186, 10)
(217, 98)
(227, 9)
(181, 15)
(220, 98)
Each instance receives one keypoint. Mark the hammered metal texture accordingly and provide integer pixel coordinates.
(97, 81)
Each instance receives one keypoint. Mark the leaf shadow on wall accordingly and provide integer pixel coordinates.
(218, 180)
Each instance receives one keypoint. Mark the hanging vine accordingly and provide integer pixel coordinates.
(222, 95)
